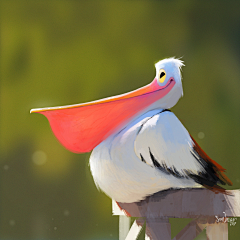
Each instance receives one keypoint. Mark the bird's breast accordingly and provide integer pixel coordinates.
(116, 168)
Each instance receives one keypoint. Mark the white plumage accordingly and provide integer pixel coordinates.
(118, 168)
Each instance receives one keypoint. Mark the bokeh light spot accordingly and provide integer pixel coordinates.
(66, 213)
(39, 158)
(201, 135)
(12, 222)
(6, 167)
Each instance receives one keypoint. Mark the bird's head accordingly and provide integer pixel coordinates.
(168, 72)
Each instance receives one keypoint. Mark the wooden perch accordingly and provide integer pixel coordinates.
(208, 209)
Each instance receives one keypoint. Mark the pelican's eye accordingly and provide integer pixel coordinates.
(162, 76)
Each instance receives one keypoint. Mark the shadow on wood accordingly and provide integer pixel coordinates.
(208, 209)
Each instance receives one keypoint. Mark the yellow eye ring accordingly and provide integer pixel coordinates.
(162, 75)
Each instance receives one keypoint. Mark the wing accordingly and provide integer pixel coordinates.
(164, 143)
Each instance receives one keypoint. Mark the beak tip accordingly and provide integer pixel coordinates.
(33, 110)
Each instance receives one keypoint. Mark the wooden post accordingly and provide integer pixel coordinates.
(217, 231)
(208, 209)
(158, 229)
(124, 226)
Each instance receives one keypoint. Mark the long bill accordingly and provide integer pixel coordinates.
(81, 127)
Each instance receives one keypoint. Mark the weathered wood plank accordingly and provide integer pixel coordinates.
(186, 203)
(204, 205)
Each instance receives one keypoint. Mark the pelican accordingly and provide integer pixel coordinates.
(139, 147)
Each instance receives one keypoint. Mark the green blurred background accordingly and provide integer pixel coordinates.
(65, 52)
